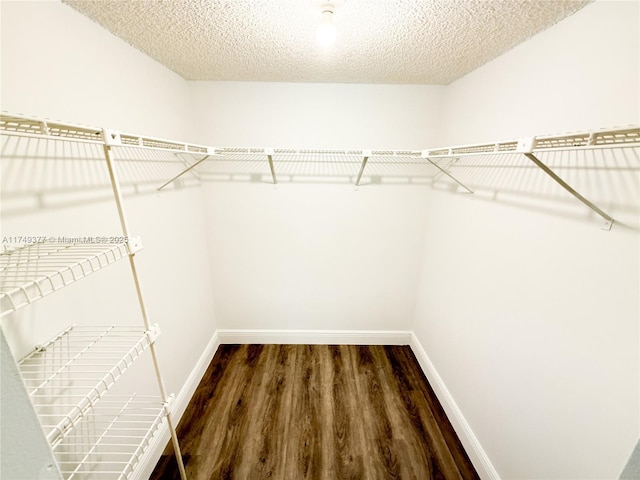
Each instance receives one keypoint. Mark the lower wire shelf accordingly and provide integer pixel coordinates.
(69, 375)
(110, 440)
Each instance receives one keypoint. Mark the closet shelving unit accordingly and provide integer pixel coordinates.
(93, 433)
(96, 435)
(355, 163)
(535, 148)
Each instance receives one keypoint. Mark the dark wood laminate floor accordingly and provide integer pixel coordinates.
(316, 412)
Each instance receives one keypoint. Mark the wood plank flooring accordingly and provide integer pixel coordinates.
(316, 412)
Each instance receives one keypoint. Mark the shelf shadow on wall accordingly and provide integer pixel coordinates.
(317, 169)
(47, 173)
(609, 178)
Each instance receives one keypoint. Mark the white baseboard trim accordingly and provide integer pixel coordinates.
(180, 403)
(476, 453)
(316, 337)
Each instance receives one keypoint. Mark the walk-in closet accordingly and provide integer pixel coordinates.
(320, 239)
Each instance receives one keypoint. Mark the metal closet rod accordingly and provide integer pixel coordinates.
(603, 139)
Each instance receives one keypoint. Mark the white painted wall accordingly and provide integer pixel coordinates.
(58, 64)
(75, 71)
(315, 256)
(303, 115)
(532, 318)
(584, 69)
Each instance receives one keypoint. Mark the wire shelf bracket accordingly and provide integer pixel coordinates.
(365, 158)
(425, 155)
(188, 169)
(269, 153)
(525, 146)
(180, 156)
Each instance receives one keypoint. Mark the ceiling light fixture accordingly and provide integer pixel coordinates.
(326, 32)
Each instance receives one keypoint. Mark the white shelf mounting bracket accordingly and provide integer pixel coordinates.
(365, 158)
(134, 245)
(153, 333)
(425, 155)
(111, 137)
(168, 404)
(210, 153)
(269, 153)
(525, 146)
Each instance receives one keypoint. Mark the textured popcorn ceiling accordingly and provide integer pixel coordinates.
(379, 41)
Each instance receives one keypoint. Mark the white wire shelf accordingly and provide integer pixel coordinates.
(25, 126)
(618, 137)
(67, 376)
(31, 272)
(110, 441)
(11, 124)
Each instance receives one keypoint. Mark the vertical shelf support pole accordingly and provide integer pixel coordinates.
(269, 153)
(109, 139)
(365, 158)
(424, 155)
